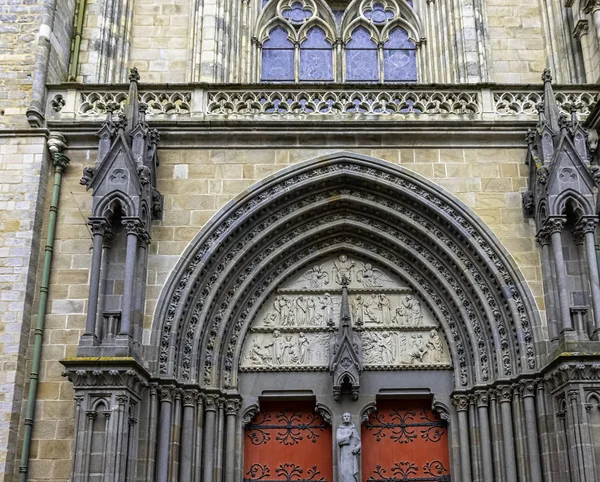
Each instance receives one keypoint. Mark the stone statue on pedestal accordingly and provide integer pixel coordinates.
(348, 442)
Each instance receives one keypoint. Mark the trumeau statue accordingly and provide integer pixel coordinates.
(348, 442)
(292, 330)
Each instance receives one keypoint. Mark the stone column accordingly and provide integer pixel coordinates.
(461, 404)
(190, 398)
(581, 443)
(528, 391)
(152, 428)
(588, 228)
(98, 227)
(519, 431)
(175, 443)
(549, 276)
(482, 398)
(106, 246)
(220, 439)
(140, 286)
(475, 442)
(510, 461)
(165, 395)
(210, 409)
(199, 435)
(231, 411)
(497, 442)
(122, 430)
(544, 431)
(555, 226)
(132, 229)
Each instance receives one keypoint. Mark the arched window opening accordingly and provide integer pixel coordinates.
(399, 57)
(361, 57)
(278, 57)
(316, 57)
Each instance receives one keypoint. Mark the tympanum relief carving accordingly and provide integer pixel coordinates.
(294, 328)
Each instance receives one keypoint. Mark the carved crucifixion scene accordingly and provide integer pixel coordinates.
(296, 325)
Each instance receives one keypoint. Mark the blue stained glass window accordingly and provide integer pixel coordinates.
(278, 56)
(361, 57)
(399, 58)
(316, 56)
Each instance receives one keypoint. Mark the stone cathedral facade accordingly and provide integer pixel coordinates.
(299, 240)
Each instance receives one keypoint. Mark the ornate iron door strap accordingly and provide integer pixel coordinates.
(285, 472)
(403, 428)
(292, 427)
(407, 471)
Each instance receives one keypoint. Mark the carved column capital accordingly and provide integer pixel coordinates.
(482, 398)
(98, 226)
(132, 226)
(91, 415)
(586, 224)
(153, 389)
(555, 224)
(166, 392)
(122, 399)
(460, 402)
(528, 388)
(504, 393)
(543, 236)
(232, 406)
(210, 401)
(573, 395)
(189, 398)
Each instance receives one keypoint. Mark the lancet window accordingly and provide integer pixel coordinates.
(307, 41)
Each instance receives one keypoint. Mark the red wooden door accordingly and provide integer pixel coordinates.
(405, 440)
(288, 441)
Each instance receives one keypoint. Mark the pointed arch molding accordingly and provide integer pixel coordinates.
(364, 206)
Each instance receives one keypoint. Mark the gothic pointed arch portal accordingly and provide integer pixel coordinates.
(354, 204)
(345, 286)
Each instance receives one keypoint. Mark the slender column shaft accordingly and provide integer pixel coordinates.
(152, 427)
(164, 432)
(475, 442)
(220, 440)
(461, 403)
(231, 409)
(510, 462)
(98, 226)
(546, 457)
(549, 278)
(187, 436)
(596, 18)
(533, 446)
(175, 444)
(484, 435)
(497, 451)
(210, 407)
(108, 237)
(130, 264)
(559, 266)
(590, 251)
(199, 434)
(518, 427)
(140, 289)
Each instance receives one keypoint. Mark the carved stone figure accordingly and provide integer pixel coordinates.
(327, 306)
(303, 344)
(370, 277)
(417, 348)
(343, 269)
(290, 351)
(348, 442)
(259, 355)
(386, 348)
(270, 319)
(434, 347)
(316, 277)
(383, 305)
(278, 348)
(301, 311)
(414, 316)
(311, 315)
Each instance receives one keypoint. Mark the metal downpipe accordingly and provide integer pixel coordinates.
(56, 145)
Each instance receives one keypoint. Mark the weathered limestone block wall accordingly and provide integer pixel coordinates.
(517, 42)
(23, 177)
(196, 183)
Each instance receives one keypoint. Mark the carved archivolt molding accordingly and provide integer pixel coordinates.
(369, 209)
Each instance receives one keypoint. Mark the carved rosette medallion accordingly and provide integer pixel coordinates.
(293, 330)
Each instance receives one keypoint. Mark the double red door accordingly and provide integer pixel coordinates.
(402, 441)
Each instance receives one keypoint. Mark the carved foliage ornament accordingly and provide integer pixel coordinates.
(472, 237)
